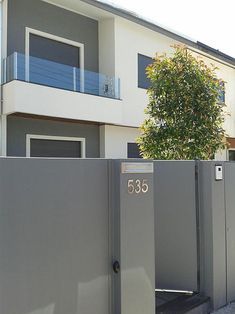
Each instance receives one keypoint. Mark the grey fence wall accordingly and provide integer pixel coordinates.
(217, 222)
(65, 222)
(176, 225)
(58, 218)
(133, 241)
(230, 229)
(54, 236)
(195, 228)
(213, 238)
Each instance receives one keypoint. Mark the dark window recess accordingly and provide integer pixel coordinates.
(52, 148)
(231, 155)
(222, 93)
(133, 150)
(52, 63)
(143, 62)
(52, 50)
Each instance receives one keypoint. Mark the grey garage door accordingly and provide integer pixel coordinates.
(55, 148)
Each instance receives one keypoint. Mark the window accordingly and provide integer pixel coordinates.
(133, 150)
(54, 61)
(54, 146)
(53, 50)
(143, 62)
(222, 93)
(231, 154)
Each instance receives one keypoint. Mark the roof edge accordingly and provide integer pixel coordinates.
(131, 16)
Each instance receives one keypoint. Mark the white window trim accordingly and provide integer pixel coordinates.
(29, 31)
(55, 138)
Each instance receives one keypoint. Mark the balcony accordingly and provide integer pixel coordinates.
(41, 87)
(47, 73)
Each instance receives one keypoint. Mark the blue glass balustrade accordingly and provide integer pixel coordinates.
(44, 72)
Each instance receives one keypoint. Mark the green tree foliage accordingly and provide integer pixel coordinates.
(185, 114)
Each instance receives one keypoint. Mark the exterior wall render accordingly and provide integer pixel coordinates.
(107, 46)
(50, 19)
(19, 127)
(147, 42)
(46, 101)
(114, 139)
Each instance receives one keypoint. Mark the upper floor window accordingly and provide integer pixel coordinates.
(222, 93)
(54, 61)
(143, 62)
(53, 50)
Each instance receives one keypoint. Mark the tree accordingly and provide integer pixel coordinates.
(185, 113)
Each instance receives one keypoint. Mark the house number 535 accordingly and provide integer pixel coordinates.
(137, 186)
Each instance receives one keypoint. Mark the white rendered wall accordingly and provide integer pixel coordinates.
(221, 155)
(46, 101)
(131, 39)
(227, 73)
(114, 139)
(107, 46)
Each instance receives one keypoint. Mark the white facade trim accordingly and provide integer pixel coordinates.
(4, 15)
(29, 31)
(70, 9)
(3, 55)
(81, 140)
(52, 102)
(3, 40)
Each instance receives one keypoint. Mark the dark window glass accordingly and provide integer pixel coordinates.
(52, 63)
(143, 62)
(231, 155)
(53, 50)
(133, 150)
(222, 93)
(52, 148)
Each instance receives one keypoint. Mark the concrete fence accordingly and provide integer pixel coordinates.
(80, 236)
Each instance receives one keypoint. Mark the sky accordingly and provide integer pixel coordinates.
(211, 22)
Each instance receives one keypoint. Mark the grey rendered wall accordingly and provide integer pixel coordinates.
(48, 18)
(54, 236)
(175, 225)
(133, 239)
(213, 237)
(18, 127)
(230, 228)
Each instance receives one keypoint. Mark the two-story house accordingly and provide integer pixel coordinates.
(74, 83)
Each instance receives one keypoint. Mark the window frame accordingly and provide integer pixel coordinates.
(138, 81)
(81, 140)
(230, 149)
(128, 151)
(222, 92)
(63, 40)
